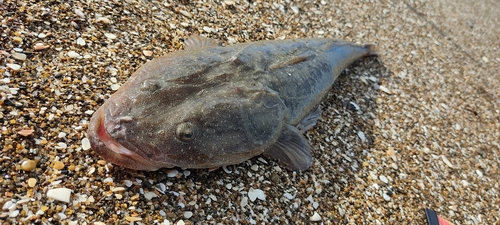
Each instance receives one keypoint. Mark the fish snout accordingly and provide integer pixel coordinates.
(105, 136)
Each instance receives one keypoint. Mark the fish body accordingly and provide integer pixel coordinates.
(209, 106)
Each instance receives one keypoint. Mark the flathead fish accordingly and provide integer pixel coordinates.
(209, 106)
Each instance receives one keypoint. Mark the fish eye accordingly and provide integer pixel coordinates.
(185, 131)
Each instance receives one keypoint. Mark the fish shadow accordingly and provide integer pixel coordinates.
(343, 138)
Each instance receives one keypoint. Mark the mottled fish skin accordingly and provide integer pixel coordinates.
(210, 106)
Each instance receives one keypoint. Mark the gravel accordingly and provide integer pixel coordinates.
(421, 127)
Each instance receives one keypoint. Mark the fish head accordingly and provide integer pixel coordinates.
(150, 124)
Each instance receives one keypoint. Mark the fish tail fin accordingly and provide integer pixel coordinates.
(372, 50)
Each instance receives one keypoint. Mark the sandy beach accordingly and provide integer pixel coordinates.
(416, 127)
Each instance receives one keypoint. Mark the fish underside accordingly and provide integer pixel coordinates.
(209, 106)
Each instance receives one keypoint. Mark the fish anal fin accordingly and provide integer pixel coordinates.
(292, 150)
(197, 41)
(310, 120)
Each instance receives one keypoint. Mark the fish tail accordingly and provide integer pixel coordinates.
(372, 49)
(342, 54)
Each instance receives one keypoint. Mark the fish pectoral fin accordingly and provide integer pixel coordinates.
(292, 150)
(310, 120)
(197, 41)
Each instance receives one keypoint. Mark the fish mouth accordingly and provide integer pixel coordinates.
(111, 150)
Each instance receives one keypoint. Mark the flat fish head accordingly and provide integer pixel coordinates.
(149, 124)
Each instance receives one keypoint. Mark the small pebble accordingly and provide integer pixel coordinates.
(253, 194)
(14, 213)
(110, 36)
(31, 182)
(60, 194)
(25, 132)
(61, 135)
(243, 202)
(150, 195)
(103, 20)
(185, 13)
(226, 169)
(13, 66)
(79, 13)
(446, 161)
(391, 153)
(40, 46)
(115, 87)
(354, 106)
(8, 205)
(62, 145)
(17, 39)
(86, 144)
(188, 214)
(28, 165)
(117, 189)
(208, 29)
(135, 197)
(383, 179)
(362, 136)
(20, 56)
(58, 165)
(315, 217)
(91, 170)
(172, 173)
(385, 89)
(147, 53)
(133, 218)
(80, 41)
(73, 54)
(231, 40)
(386, 197)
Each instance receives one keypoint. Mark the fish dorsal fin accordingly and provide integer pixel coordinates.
(197, 41)
(292, 150)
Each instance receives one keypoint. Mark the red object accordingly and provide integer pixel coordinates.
(443, 221)
(434, 219)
